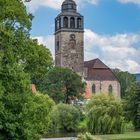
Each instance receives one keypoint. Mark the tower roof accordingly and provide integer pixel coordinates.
(69, 6)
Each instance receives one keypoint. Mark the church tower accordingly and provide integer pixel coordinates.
(69, 38)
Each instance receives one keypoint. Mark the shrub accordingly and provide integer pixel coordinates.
(105, 115)
(25, 118)
(86, 136)
(37, 116)
(64, 117)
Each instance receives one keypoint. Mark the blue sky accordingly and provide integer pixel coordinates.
(112, 29)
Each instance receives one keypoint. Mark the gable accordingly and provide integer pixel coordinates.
(95, 63)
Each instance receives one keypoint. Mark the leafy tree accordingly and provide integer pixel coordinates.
(37, 62)
(14, 20)
(64, 117)
(13, 14)
(36, 114)
(105, 115)
(63, 84)
(126, 80)
(20, 116)
(132, 104)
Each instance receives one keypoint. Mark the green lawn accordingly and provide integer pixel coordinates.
(126, 136)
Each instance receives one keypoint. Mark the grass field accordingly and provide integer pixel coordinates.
(126, 136)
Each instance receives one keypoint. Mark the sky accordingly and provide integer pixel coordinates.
(112, 29)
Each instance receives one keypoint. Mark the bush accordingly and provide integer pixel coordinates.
(86, 136)
(25, 118)
(64, 117)
(105, 115)
(37, 115)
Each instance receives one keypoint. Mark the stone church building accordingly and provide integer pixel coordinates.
(69, 53)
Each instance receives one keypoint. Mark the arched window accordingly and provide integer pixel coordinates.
(93, 88)
(57, 46)
(72, 22)
(58, 24)
(79, 23)
(65, 22)
(110, 89)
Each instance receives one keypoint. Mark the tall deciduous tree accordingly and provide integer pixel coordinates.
(105, 115)
(38, 61)
(63, 84)
(19, 108)
(132, 105)
(126, 79)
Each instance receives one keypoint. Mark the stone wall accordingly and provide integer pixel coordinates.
(71, 50)
(102, 87)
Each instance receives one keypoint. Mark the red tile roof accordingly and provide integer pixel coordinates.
(97, 70)
(95, 63)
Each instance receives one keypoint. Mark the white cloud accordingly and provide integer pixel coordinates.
(116, 51)
(130, 1)
(54, 4)
(48, 41)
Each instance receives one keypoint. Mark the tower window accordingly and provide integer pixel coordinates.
(79, 23)
(65, 22)
(110, 89)
(57, 46)
(93, 89)
(58, 24)
(72, 22)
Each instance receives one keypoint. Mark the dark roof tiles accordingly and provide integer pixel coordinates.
(95, 63)
(97, 70)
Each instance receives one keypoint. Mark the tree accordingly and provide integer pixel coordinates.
(20, 116)
(35, 59)
(36, 114)
(13, 14)
(63, 84)
(37, 62)
(105, 115)
(64, 117)
(132, 104)
(126, 79)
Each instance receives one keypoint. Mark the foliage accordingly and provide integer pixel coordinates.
(13, 13)
(105, 115)
(37, 116)
(126, 80)
(132, 104)
(37, 61)
(86, 136)
(20, 116)
(129, 126)
(24, 116)
(64, 117)
(82, 127)
(63, 85)
(125, 136)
